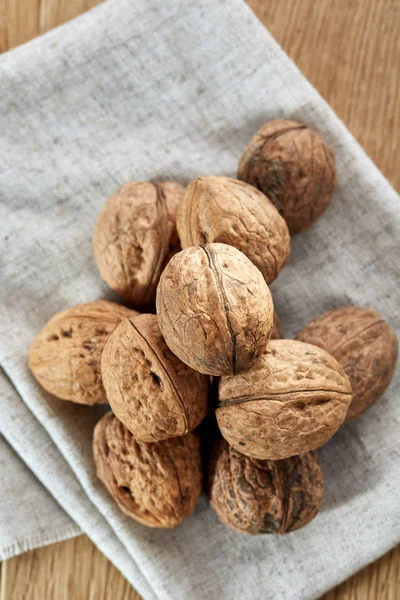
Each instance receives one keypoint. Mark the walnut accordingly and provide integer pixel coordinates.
(150, 390)
(156, 484)
(292, 401)
(294, 167)
(135, 235)
(363, 344)
(277, 331)
(65, 356)
(264, 496)
(219, 209)
(215, 310)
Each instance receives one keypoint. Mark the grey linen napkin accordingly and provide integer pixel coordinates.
(29, 516)
(161, 90)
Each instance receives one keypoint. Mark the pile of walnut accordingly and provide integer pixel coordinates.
(205, 256)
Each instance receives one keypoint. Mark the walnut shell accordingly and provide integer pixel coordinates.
(156, 484)
(65, 356)
(294, 167)
(291, 402)
(214, 308)
(150, 390)
(219, 209)
(135, 235)
(276, 331)
(363, 344)
(264, 496)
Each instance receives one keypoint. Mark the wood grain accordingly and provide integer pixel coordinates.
(379, 581)
(22, 20)
(350, 53)
(76, 570)
(72, 570)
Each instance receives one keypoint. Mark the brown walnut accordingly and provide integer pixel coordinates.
(65, 356)
(264, 496)
(294, 167)
(292, 401)
(153, 393)
(214, 308)
(363, 344)
(135, 235)
(220, 209)
(156, 484)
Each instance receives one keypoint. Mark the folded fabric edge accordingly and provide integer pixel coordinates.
(36, 541)
(99, 536)
(353, 571)
(137, 581)
(91, 493)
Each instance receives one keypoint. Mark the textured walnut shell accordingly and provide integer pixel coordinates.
(276, 331)
(294, 167)
(214, 308)
(153, 393)
(65, 356)
(291, 402)
(135, 235)
(219, 209)
(363, 344)
(264, 496)
(156, 484)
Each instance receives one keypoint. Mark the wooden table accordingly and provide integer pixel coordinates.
(350, 51)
